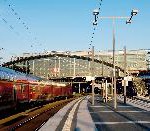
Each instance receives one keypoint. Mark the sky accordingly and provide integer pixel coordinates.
(66, 25)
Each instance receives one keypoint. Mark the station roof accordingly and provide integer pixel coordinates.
(9, 74)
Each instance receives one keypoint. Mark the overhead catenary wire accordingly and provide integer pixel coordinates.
(26, 27)
(95, 25)
(19, 20)
(9, 25)
(16, 14)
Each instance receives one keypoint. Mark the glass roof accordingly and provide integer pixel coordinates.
(9, 74)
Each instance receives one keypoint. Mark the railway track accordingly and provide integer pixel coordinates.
(32, 119)
(137, 102)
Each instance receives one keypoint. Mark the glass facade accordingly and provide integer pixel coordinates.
(56, 66)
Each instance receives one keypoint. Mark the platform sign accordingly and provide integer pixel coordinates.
(128, 78)
(97, 85)
(89, 78)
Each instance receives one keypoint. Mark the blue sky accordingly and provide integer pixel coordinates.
(67, 25)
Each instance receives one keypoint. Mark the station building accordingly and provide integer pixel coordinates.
(137, 60)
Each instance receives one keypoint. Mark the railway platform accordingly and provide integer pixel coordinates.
(74, 116)
(81, 115)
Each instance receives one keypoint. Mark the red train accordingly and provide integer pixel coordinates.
(21, 91)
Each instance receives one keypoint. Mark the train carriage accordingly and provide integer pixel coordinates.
(67, 90)
(47, 91)
(57, 89)
(6, 90)
(34, 92)
(21, 89)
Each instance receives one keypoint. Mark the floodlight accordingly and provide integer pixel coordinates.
(128, 22)
(94, 22)
(134, 12)
(95, 11)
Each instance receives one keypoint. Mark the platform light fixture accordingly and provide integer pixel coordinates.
(128, 22)
(95, 11)
(94, 22)
(133, 13)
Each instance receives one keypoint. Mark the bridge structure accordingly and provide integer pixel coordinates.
(59, 65)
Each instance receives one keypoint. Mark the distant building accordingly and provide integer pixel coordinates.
(137, 60)
(148, 60)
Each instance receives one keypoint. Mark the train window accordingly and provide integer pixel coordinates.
(22, 88)
(18, 87)
(38, 88)
(32, 88)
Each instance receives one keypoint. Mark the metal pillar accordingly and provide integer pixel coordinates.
(102, 67)
(114, 69)
(79, 88)
(134, 12)
(92, 72)
(112, 90)
(74, 67)
(89, 63)
(125, 64)
(89, 68)
(106, 91)
(103, 86)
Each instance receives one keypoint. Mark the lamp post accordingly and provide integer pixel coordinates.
(128, 21)
(102, 67)
(92, 73)
(89, 64)
(125, 66)
(114, 69)
(95, 13)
